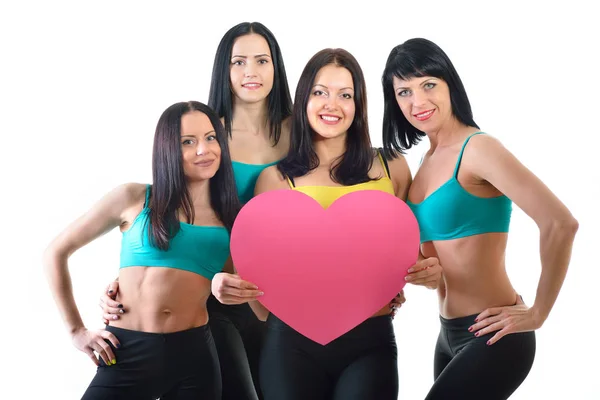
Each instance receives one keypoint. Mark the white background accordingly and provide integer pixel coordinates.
(82, 85)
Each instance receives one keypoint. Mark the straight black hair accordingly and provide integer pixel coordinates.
(169, 190)
(418, 58)
(354, 165)
(279, 99)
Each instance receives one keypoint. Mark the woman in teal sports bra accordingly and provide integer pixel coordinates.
(331, 155)
(462, 197)
(250, 93)
(175, 239)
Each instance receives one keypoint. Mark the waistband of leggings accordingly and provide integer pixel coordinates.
(202, 330)
(460, 323)
(380, 325)
(463, 322)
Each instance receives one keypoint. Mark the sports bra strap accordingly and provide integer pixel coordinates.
(462, 150)
(290, 182)
(384, 163)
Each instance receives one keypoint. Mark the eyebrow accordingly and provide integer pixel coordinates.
(344, 88)
(194, 136)
(422, 83)
(256, 56)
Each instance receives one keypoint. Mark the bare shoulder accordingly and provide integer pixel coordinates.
(270, 179)
(485, 145)
(129, 194)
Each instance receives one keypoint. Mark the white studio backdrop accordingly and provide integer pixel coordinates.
(82, 85)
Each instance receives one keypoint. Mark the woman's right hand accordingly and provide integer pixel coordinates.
(90, 341)
(231, 289)
(111, 309)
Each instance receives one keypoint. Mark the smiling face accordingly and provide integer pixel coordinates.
(200, 149)
(425, 102)
(251, 71)
(330, 109)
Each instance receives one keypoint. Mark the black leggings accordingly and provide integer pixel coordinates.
(360, 365)
(180, 365)
(465, 367)
(238, 336)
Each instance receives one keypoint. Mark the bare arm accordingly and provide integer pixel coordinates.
(496, 165)
(427, 271)
(104, 216)
(401, 176)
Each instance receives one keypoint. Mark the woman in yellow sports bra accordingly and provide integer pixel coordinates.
(331, 155)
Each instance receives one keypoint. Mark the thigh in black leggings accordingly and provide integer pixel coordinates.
(238, 336)
(362, 364)
(465, 367)
(179, 365)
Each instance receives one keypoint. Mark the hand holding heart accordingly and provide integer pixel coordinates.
(231, 289)
(426, 272)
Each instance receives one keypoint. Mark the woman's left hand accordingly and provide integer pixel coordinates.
(506, 320)
(426, 272)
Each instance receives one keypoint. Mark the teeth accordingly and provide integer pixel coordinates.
(425, 114)
(328, 118)
(252, 85)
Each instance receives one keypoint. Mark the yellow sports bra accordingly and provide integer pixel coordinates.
(326, 195)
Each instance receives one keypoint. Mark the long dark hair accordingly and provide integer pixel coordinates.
(418, 58)
(279, 99)
(354, 165)
(169, 190)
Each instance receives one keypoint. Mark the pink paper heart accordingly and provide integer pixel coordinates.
(324, 271)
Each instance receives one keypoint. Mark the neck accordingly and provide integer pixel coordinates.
(329, 150)
(448, 134)
(200, 193)
(253, 117)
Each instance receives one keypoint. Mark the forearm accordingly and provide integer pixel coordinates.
(556, 243)
(59, 281)
(259, 310)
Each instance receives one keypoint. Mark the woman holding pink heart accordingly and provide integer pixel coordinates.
(175, 239)
(330, 156)
(462, 197)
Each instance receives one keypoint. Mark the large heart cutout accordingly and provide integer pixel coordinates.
(325, 271)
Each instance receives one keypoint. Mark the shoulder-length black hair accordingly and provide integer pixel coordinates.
(417, 58)
(354, 165)
(279, 99)
(169, 190)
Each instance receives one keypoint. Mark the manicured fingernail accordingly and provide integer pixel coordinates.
(489, 342)
(121, 311)
(110, 291)
(408, 278)
(470, 329)
(477, 319)
(477, 333)
(410, 270)
(120, 305)
(113, 361)
(115, 317)
(261, 293)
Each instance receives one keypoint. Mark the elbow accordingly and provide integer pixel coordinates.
(570, 226)
(263, 316)
(51, 260)
(566, 226)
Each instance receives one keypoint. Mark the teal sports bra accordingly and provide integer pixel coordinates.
(245, 178)
(199, 249)
(450, 212)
